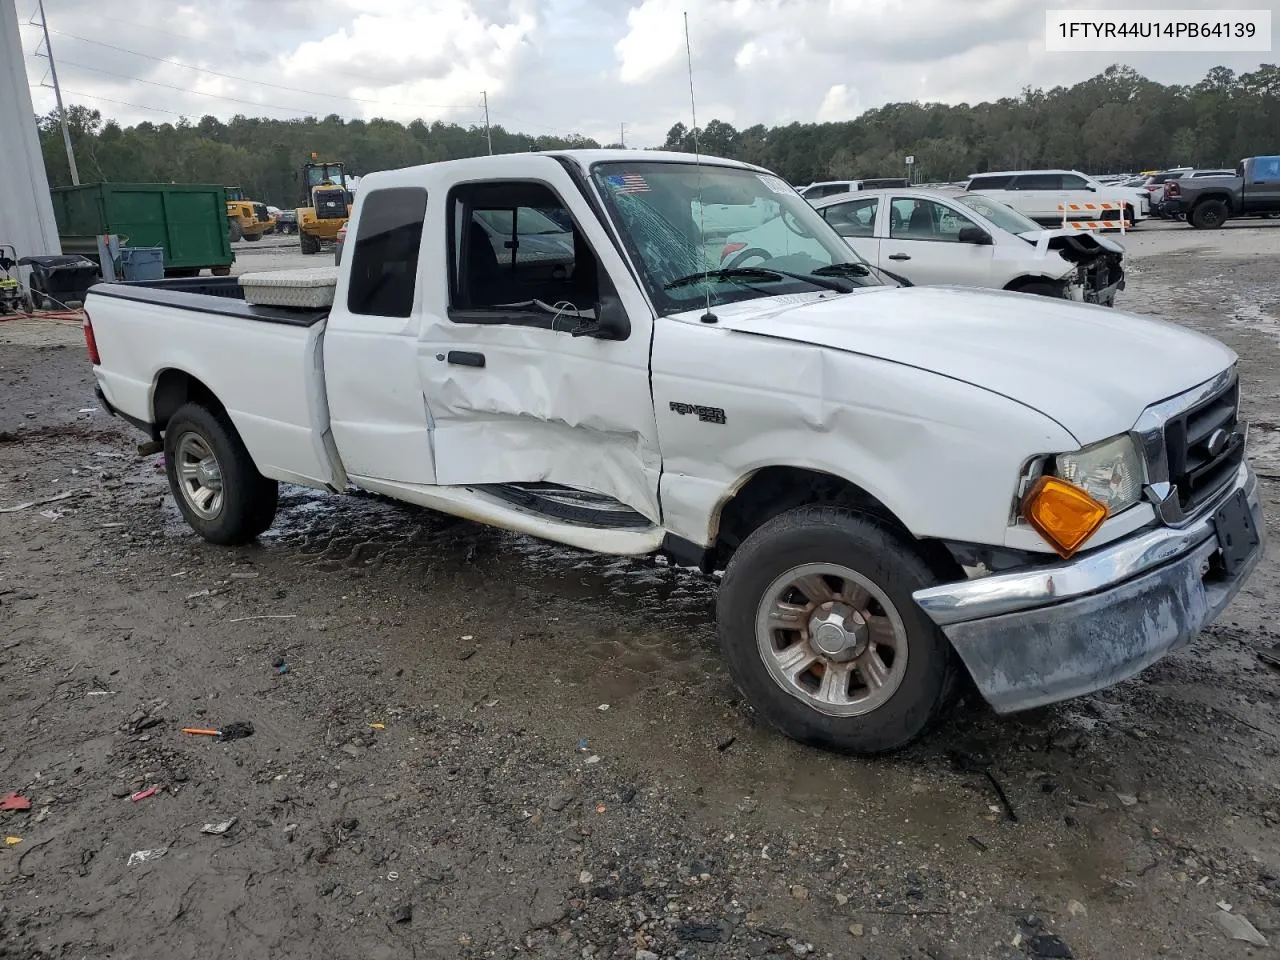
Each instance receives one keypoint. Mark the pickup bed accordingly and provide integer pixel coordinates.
(901, 486)
(1209, 202)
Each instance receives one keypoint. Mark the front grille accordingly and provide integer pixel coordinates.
(1204, 448)
(331, 204)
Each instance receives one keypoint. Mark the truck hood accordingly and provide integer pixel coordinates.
(1091, 369)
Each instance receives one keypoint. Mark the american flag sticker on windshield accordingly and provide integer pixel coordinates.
(628, 183)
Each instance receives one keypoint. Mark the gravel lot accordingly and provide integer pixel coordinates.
(472, 744)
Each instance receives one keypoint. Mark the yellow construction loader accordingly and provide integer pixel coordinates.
(246, 219)
(326, 204)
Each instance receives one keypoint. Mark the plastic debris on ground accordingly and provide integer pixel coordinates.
(1238, 928)
(1270, 655)
(143, 794)
(12, 801)
(218, 829)
(145, 856)
(12, 841)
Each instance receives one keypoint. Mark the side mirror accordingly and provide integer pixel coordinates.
(611, 320)
(1091, 188)
(974, 235)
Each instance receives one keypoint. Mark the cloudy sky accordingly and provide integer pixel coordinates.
(562, 66)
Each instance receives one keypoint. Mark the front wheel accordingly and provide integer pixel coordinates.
(822, 635)
(219, 491)
(308, 243)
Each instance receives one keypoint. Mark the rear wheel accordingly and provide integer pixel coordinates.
(308, 243)
(1209, 215)
(820, 631)
(253, 237)
(234, 231)
(220, 492)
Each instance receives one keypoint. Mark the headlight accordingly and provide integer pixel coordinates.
(1110, 472)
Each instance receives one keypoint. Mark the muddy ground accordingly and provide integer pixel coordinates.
(480, 745)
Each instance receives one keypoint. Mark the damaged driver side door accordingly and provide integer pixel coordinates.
(534, 364)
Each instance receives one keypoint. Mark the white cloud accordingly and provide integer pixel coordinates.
(840, 103)
(560, 66)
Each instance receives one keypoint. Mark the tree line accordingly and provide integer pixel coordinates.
(1117, 121)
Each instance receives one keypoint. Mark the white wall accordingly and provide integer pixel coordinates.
(26, 212)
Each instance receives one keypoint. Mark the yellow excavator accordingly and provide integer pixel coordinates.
(246, 219)
(326, 204)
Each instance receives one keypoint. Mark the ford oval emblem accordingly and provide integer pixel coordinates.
(1217, 442)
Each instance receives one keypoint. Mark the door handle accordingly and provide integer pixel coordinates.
(466, 358)
(899, 256)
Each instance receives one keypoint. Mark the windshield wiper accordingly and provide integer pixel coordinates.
(730, 273)
(843, 270)
(858, 270)
(761, 273)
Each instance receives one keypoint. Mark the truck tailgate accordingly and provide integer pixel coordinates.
(264, 365)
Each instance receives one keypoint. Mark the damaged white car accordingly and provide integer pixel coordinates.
(900, 485)
(965, 240)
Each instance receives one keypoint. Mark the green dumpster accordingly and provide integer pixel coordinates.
(187, 220)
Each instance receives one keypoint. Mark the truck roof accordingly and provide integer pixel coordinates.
(585, 159)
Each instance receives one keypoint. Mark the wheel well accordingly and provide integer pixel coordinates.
(173, 389)
(774, 490)
(1018, 283)
(1224, 197)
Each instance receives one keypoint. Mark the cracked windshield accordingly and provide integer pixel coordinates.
(714, 234)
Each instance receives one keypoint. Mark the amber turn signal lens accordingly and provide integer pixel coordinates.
(1062, 513)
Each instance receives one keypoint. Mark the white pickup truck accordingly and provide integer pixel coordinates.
(901, 486)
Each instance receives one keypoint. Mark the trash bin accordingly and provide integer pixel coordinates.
(59, 281)
(142, 263)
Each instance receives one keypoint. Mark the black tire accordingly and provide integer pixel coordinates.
(1041, 288)
(234, 231)
(254, 237)
(1209, 215)
(837, 535)
(248, 498)
(308, 243)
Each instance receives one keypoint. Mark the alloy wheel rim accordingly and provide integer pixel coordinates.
(832, 639)
(199, 476)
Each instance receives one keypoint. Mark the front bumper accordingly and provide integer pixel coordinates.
(1051, 633)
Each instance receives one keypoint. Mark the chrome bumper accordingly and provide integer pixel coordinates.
(1055, 632)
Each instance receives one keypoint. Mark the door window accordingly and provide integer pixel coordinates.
(1266, 168)
(857, 218)
(926, 220)
(517, 256)
(1072, 182)
(384, 263)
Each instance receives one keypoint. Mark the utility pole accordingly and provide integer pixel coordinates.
(622, 134)
(487, 135)
(57, 93)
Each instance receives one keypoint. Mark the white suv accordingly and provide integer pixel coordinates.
(830, 188)
(1039, 194)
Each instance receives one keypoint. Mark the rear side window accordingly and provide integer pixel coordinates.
(384, 261)
(990, 183)
(1038, 181)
